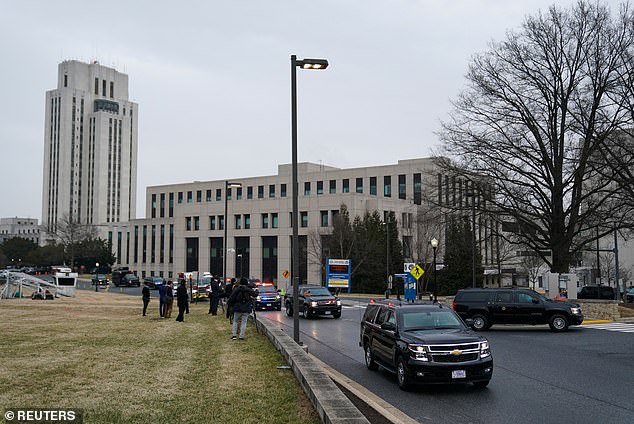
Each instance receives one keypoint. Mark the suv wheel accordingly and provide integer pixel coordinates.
(401, 374)
(480, 322)
(336, 315)
(369, 360)
(558, 323)
(289, 310)
(307, 313)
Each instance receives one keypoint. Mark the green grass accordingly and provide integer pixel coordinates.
(96, 352)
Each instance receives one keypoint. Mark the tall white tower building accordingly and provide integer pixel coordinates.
(90, 147)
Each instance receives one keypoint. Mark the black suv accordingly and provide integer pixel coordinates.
(490, 306)
(424, 343)
(596, 292)
(313, 300)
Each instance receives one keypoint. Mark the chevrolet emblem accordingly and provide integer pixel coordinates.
(456, 352)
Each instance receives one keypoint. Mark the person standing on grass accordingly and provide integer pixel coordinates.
(241, 303)
(146, 297)
(214, 296)
(162, 299)
(169, 296)
(181, 300)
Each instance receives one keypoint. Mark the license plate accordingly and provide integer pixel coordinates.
(459, 374)
(327, 312)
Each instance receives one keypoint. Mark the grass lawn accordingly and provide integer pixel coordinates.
(97, 353)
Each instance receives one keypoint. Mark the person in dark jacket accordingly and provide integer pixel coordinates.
(146, 297)
(162, 299)
(214, 296)
(241, 302)
(169, 296)
(181, 300)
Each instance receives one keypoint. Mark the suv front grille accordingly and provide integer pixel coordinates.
(454, 352)
(326, 302)
(455, 358)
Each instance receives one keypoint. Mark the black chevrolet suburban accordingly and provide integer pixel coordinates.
(313, 301)
(423, 343)
(490, 306)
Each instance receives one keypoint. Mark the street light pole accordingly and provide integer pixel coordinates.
(96, 276)
(472, 195)
(226, 223)
(305, 64)
(434, 245)
(240, 257)
(387, 258)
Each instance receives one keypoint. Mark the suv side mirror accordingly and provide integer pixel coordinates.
(469, 322)
(390, 326)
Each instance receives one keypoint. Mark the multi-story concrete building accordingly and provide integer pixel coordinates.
(26, 228)
(90, 147)
(184, 225)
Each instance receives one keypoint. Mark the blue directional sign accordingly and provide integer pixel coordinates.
(409, 285)
(338, 273)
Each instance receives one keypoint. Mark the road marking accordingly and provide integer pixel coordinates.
(621, 327)
(344, 306)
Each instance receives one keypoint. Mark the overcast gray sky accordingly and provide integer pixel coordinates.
(212, 80)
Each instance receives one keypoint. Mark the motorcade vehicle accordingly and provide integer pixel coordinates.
(268, 297)
(629, 295)
(100, 280)
(423, 342)
(153, 282)
(511, 305)
(313, 300)
(596, 292)
(124, 276)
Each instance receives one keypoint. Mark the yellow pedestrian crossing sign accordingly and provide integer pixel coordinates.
(417, 272)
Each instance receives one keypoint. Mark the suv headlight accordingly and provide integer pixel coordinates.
(338, 302)
(484, 349)
(575, 310)
(259, 298)
(313, 304)
(418, 352)
(277, 297)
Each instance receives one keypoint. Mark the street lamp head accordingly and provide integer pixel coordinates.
(233, 185)
(434, 243)
(312, 63)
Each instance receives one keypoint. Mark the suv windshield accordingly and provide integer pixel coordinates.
(317, 291)
(429, 320)
(267, 289)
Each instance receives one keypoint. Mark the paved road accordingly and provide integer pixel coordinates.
(582, 376)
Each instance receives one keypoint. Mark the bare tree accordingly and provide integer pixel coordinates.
(533, 266)
(540, 109)
(69, 233)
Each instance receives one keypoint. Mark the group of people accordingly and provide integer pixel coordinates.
(238, 294)
(166, 299)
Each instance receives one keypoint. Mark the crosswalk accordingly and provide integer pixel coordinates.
(622, 327)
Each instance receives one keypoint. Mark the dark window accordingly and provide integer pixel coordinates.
(188, 223)
(387, 186)
(320, 187)
(473, 296)
(373, 186)
(304, 219)
(111, 90)
(238, 193)
(359, 185)
(382, 316)
(154, 205)
(265, 220)
(401, 187)
(247, 221)
(274, 220)
(196, 223)
(503, 297)
(307, 189)
(190, 196)
(237, 222)
(199, 196)
(417, 189)
(282, 190)
(97, 86)
(345, 186)
(171, 206)
(218, 194)
(65, 80)
(162, 206)
(261, 192)
(249, 192)
(221, 222)
(524, 298)
(208, 195)
(103, 88)
(212, 222)
(324, 218)
(271, 190)
(228, 193)
(180, 197)
(332, 186)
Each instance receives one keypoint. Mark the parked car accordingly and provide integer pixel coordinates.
(153, 282)
(490, 306)
(123, 276)
(596, 292)
(268, 298)
(424, 343)
(313, 300)
(629, 295)
(99, 279)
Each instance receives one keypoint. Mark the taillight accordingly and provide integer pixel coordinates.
(453, 305)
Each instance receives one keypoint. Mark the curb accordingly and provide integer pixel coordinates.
(332, 406)
(595, 321)
(387, 410)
